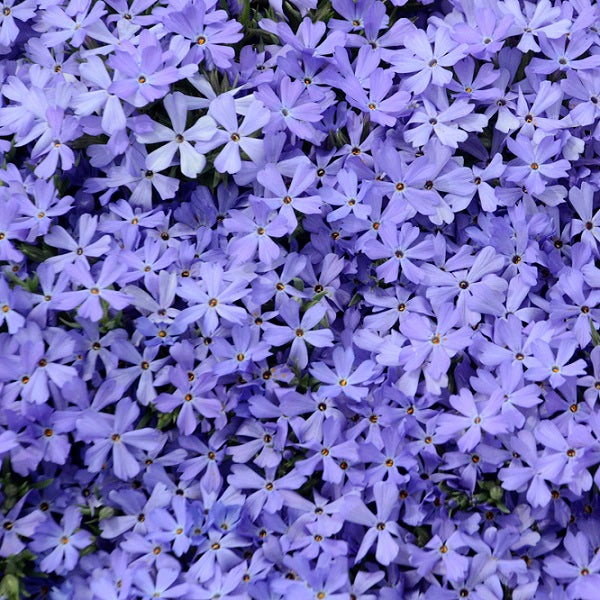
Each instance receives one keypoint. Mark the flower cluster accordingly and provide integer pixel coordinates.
(300, 299)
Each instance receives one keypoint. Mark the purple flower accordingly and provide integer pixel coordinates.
(178, 138)
(530, 19)
(292, 110)
(162, 586)
(88, 300)
(592, 382)
(472, 420)
(449, 123)
(9, 30)
(432, 344)
(476, 290)
(287, 199)
(485, 36)
(192, 398)
(209, 34)
(538, 166)
(299, 331)
(259, 225)
(268, 489)
(581, 571)
(77, 250)
(236, 137)
(344, 379)
(213, 299)
(65, 541)
(428, 65)
(380, 107)
(400, 250)
(382, 526)
(143, 74)
(113, 434)
(554, 366)
(13, 526)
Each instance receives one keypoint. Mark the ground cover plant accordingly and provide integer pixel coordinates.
(299, 299)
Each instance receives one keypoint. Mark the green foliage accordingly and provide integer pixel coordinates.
(14, 569)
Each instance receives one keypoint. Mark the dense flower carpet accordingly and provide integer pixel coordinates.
(299, 299)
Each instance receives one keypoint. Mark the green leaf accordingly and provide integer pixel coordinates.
(40, 485)
(496, 493)
(355, 299)
(88, 550)
(595, 334)
(106, 512)
(316, 299)
(70, 324)
(165, 419)
(10, 586)
(245, 16)
(38, 253)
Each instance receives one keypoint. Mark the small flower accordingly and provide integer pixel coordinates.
(65, 542)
